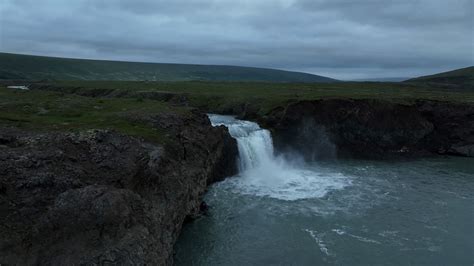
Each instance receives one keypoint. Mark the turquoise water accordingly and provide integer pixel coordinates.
(344, 212)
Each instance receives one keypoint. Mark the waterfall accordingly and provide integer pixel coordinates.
(264, 174)
(254, 143)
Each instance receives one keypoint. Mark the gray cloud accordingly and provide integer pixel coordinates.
(338, 38)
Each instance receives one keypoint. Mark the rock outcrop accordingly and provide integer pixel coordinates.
(372, 128)
(98, 197)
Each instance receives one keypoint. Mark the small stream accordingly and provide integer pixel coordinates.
(281, 211)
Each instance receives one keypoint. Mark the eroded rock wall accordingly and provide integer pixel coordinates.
(373, 128)
(96, 197)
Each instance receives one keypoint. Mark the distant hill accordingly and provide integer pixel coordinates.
(463, 78)
(389, 79)
(16, 66)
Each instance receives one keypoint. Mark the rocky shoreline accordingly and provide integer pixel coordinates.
(361, 128)
(372, 128)
(98, 197)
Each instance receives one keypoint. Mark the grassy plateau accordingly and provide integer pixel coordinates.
(270, 95)
(44, 111)
(69, 98)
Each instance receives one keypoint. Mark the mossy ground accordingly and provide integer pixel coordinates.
(43, 111)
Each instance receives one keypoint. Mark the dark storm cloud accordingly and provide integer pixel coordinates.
(338, 38)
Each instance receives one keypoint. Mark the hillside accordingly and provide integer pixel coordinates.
(463, 77)
(15, 66)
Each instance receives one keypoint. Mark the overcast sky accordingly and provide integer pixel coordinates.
(345, 39)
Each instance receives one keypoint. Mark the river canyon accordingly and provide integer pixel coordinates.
(282, 210)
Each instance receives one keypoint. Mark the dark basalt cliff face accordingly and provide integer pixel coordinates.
(372, 128)
(98, 197)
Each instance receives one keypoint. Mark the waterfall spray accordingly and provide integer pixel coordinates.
(264, 174)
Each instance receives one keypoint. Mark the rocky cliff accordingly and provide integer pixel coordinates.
(372, 128)
(327, 128)
(98, 197)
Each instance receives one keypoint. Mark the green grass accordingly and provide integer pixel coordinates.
(44, 111)
(15, 66)
(219, 95)
(60, 110)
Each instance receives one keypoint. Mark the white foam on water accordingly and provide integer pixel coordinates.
(318, 238)
(339, 231)
(360, 238)
(261, 173)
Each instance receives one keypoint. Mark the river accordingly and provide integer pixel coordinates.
(280, 211)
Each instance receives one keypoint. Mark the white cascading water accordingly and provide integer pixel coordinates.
(264, 174)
